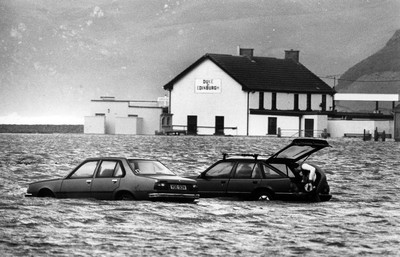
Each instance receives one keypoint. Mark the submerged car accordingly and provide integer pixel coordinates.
(119, 179)
(282, 176)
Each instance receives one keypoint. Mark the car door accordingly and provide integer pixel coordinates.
(277, 179)
(245, 179)
(214, 181)
(107, 179)
(79, 182)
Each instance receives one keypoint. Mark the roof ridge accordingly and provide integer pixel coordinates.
(261, 73)
(208, 54)
(232, 55)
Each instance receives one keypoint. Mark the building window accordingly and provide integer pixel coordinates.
(272, 125)
(273, 101)
(261, 101)
(100, 114)
(296, 102)
(308, 102)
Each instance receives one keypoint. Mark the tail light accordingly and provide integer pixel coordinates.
(161, 185)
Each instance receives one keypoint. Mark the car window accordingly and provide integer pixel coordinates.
(295, 151)
(110, 169)
(85, 171)
(257, 173)
(220, 170)
(270, 173)
(119, 172)
(282, 168)
(148, 167)
(244, 170)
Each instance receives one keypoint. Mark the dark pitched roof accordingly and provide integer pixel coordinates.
(264, 74)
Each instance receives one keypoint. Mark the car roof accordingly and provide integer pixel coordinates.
(112, 158)
(298, 149)
(243, 156)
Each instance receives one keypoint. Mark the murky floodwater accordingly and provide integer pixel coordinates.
(362, 218)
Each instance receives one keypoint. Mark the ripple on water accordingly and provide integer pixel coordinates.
(361, 219)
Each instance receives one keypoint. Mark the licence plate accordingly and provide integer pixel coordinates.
(178, 187)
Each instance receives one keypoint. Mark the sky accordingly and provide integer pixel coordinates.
(56, 56)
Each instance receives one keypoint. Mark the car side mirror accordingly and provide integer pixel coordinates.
(202, 175)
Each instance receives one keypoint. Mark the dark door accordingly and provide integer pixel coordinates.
(192, 125)
(309, 128)
(219, 125)
(272, 125)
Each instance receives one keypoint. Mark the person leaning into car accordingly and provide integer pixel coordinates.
(310, 179)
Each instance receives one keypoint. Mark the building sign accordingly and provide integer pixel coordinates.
(207, 86)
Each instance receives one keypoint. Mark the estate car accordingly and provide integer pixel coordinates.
(282, 176)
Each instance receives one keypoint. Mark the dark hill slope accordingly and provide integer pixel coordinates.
(379, 73)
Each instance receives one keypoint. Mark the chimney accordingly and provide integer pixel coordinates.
(292, 55)
(246, 52)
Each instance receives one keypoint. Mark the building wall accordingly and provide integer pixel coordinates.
(111, 110)
(259, 125)
(126, 125)
(230, 102)
(117, 118)
(320, 124)
(94, 125)
(337, 128)
(285, 101)
(148, 119)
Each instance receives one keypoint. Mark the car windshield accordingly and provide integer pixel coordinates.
(147, 167)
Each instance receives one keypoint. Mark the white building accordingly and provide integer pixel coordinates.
(111, 116)
(352, 123)
(247, 95)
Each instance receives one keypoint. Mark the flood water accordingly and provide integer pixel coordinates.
(362, 218)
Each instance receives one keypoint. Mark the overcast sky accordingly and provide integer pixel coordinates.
(58, 55)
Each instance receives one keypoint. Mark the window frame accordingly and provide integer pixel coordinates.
(238, 163)
(228, 175)
(137, 172)
(276, 171)
(288, 174)
(117, 162)
(71, 175)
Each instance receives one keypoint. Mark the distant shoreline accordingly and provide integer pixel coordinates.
(42, 129)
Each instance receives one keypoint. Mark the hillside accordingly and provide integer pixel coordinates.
(379, 73)
(55, 56)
